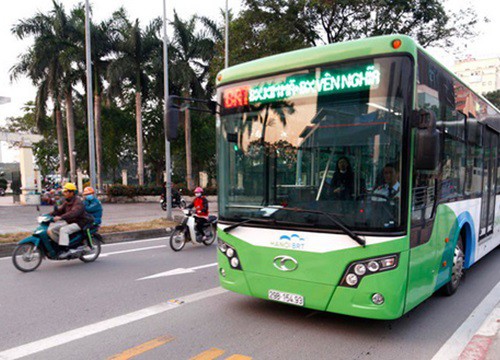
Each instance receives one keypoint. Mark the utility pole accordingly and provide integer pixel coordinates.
(90, 108)
(168, 180)
(226, 56)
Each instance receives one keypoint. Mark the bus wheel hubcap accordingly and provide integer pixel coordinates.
(458, 266)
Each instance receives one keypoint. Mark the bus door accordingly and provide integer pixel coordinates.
(490, 146)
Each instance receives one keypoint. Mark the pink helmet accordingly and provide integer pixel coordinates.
(198, 190)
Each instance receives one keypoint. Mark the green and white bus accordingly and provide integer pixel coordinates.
(356, 178)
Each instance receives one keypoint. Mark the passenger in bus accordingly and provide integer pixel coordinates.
(391, 187)
(342, 181)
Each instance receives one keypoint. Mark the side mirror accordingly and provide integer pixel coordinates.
(426, 140)
(172, 119)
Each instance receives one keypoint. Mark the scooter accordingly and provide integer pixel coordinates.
(186, 231)
(177, 200)
(29, 252)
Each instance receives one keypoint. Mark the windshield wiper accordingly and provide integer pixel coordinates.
(333, 219)
(234, 226)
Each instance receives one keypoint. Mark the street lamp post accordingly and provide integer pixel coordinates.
(168, 180)
(90, 110)
(226, 47)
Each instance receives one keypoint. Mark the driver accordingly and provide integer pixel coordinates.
(391, 187)
(200, 205)
(73, 214)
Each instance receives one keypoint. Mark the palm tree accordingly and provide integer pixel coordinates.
(129, 71)
(44, 65)
(102, 40)
(190, 53)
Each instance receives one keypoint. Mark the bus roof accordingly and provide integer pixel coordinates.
(325, 54)
(315, 56)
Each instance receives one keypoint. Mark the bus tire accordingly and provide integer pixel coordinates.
(457, 270)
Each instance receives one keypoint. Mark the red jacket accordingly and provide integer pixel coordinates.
(200, 204)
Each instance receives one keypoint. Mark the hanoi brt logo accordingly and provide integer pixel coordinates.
(292, 242)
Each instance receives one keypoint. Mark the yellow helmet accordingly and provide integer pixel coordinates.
(69, 186)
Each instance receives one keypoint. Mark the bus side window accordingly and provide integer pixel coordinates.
(474, 175)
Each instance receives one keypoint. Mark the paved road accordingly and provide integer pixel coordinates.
(15, 218)
(62, 296)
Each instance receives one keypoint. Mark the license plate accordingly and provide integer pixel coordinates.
(286, 297)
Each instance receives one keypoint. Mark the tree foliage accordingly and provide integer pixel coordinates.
(267, 27)
(128, 60)
(493, 97)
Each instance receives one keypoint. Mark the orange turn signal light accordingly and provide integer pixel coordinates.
(447, 240)
(396, 44)
(219, 77)
(444, 263)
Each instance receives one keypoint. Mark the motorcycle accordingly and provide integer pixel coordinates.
(29, 252)
(177, 200)
(186, 231)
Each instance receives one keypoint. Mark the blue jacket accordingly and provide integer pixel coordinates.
(94, 208)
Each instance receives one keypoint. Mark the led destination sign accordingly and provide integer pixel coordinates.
(304, 85)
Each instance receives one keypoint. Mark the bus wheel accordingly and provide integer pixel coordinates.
(457, 270)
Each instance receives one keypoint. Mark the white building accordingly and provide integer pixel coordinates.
(483, 75)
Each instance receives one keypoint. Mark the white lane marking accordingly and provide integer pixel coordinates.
(76, 334)
(133, 250)
(178, 271)
(458, 341)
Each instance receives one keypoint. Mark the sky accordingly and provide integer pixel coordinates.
(21, 91)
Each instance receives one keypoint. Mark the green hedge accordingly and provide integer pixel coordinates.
(3, 184)
(132, 191)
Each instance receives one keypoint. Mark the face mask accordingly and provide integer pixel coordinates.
(89, 197)
(197, 194)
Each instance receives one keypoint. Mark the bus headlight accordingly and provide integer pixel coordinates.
(235, 262)
(360, 269)
(222, 245)
(357, 270)
(351, 279)
(230, 253)
(373, 266)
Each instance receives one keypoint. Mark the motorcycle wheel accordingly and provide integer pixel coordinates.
(182, 204)
(26, 258)
(163, 205)
(177, 239)
(210, 241)
(95, 252)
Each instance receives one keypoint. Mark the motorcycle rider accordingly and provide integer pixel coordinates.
(200, 205)
(72, 212)
(92, 204)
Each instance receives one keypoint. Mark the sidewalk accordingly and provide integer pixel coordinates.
(18, 218)
(485, 344)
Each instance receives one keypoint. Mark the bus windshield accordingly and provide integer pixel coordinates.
(326, 140)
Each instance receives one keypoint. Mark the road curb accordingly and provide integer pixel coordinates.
(480, 345)
(7, 249)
